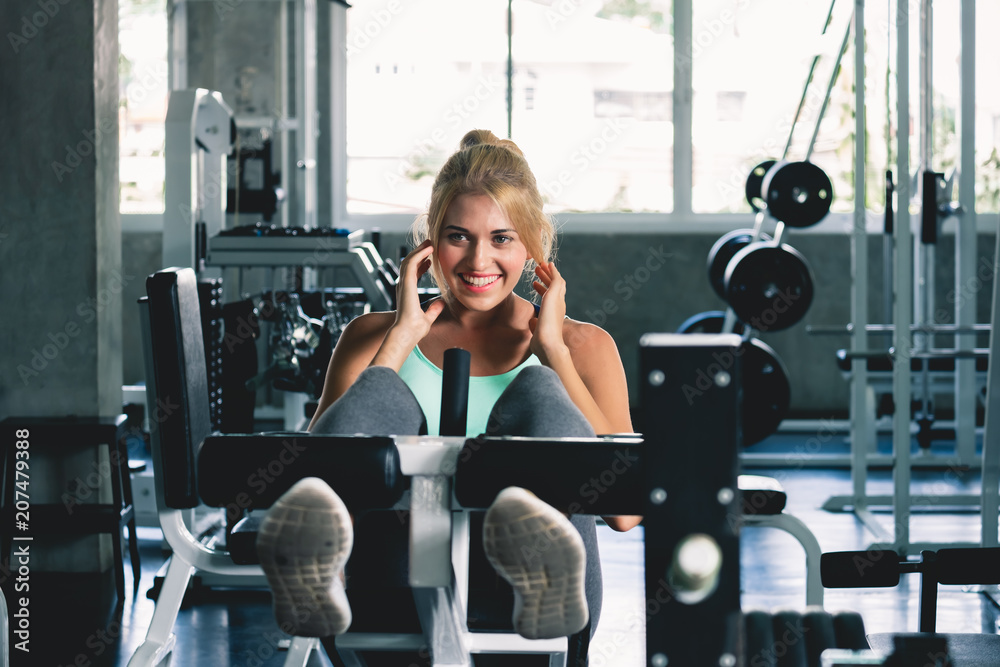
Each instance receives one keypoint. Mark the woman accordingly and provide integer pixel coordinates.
(534, 371)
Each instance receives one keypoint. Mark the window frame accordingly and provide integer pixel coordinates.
(681, 219)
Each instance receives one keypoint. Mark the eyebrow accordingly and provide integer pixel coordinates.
(495, 231)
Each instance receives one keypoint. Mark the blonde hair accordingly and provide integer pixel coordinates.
(487, 165)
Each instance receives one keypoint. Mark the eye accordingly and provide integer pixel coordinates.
(456, 236)
(501, 239)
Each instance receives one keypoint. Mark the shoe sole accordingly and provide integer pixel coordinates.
(303, 545)
(538, 551)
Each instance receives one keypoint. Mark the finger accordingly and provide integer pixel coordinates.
(532, 324)
(540, 288)
(421, 251)
(433, 310)
(424, 267)
(543, 277)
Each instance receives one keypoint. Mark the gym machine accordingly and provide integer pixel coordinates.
(691, 521)
(201, 133)
(915, 318)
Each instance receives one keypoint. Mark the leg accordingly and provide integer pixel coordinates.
(307, 536)
(378, 403)
(536, 404)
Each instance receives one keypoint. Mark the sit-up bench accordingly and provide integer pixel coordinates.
(247, 472)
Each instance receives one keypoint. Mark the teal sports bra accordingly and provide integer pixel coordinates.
(424, 380)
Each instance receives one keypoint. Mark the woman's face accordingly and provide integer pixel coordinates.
(480, 254)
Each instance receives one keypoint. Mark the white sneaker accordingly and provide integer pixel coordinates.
(303, 544)
(535, 547)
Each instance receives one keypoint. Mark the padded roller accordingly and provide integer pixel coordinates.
(759, 639)
(789, 639)
(860, 569)
(968, 566)
(849, 628)
(762, 495)
(820, 635)
(582, 476)
(252, 471)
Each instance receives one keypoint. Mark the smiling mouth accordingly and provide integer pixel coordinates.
(478, 281)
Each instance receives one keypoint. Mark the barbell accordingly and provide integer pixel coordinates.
(798, 194)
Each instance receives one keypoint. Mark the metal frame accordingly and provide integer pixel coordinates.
(914, 264)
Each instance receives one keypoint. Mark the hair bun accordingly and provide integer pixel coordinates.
(477, 137)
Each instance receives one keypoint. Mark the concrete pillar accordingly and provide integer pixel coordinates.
(60, 236)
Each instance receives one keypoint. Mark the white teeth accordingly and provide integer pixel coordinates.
(480, 282)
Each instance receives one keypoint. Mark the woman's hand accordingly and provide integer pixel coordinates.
(547, 328)
(412, 322)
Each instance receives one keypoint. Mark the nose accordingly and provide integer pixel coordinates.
(479, 257)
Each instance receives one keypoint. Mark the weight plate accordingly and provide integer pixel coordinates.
(769, 287)
(754, 182)
(722, 252)
(767, 392)
(710, 322)
(798, 194)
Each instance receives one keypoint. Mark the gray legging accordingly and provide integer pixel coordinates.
(535, 404)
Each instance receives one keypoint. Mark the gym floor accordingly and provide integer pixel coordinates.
(235, 627)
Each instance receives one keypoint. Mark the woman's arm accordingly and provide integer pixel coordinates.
(586, 359)
(358, 343)
(382, 339)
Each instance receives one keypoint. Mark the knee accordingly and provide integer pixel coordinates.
(541, 379)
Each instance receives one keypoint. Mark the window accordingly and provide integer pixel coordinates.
(445, 81)
(585, 155)
(750, 62)
(143, 88)
(987, 108)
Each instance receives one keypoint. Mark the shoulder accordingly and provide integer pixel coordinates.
(366, 330)
(587, 337)
(371, 323)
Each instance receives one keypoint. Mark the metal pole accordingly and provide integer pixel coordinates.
(966, 262)
(805, 88)
(901, 339)
(683, 153)
(829, 91)
(861, 416)
(510, 69)
(923, 270)
(991, 439)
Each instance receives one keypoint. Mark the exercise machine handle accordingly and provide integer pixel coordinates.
(455, 392)
(929, 212)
